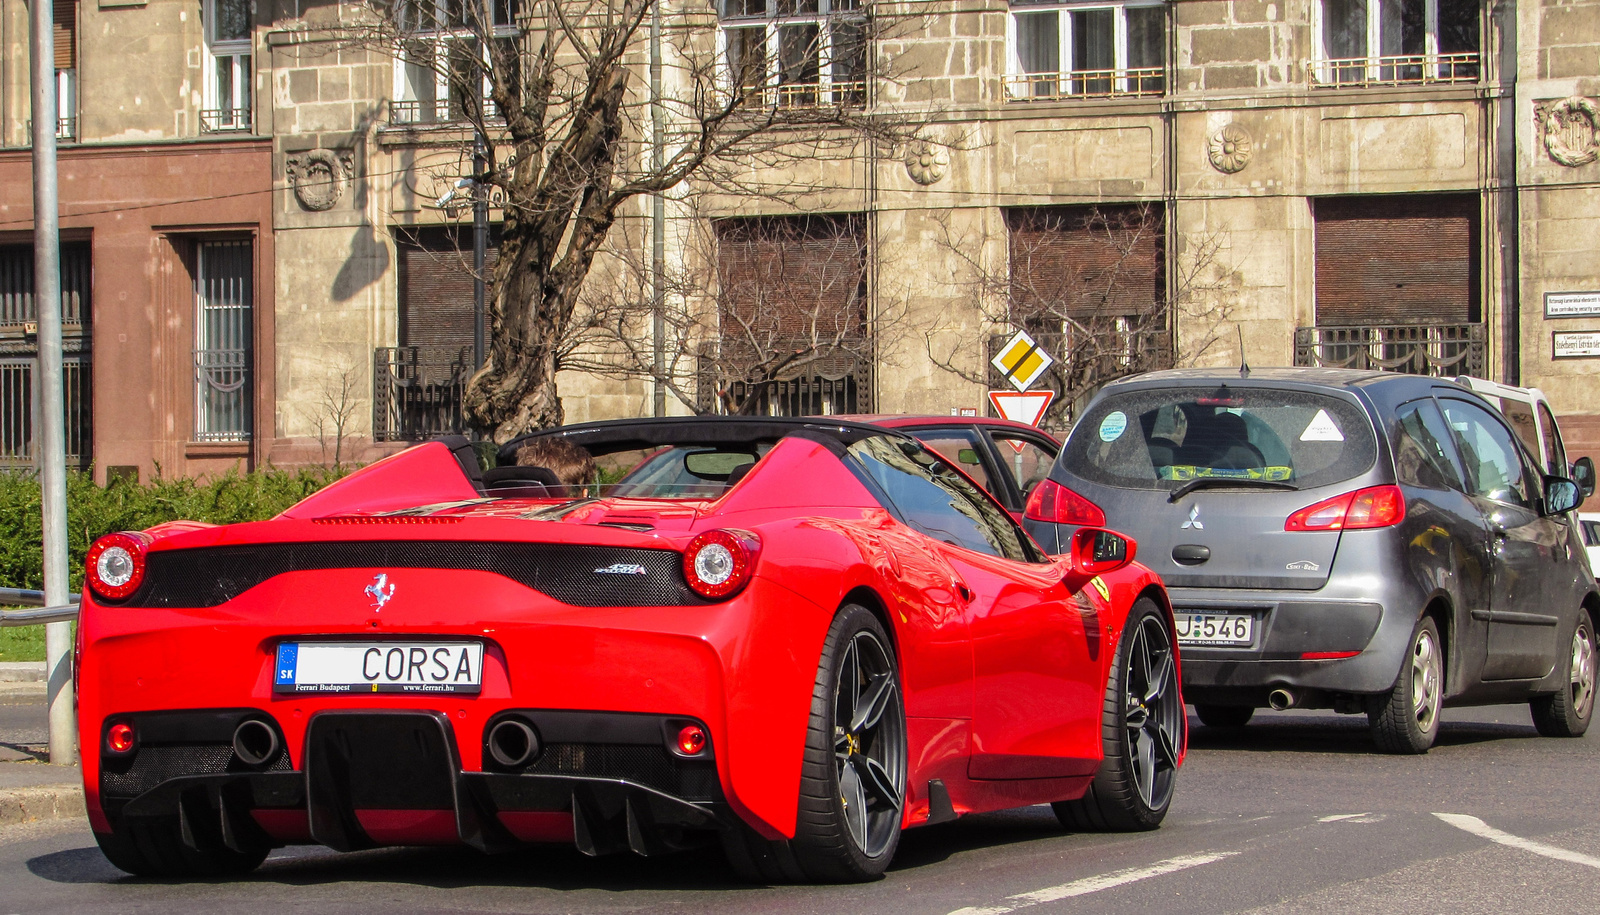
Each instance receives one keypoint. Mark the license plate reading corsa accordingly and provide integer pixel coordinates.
(1214, 628)
(378, 667)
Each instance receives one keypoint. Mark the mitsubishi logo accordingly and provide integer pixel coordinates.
(381, 590)
(1194, 522)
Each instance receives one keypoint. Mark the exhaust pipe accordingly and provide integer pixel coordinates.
(1281, 699)
(255, 742)
(512, 743)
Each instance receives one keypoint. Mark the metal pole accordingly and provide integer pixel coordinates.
(480, 243)
(51, 443)
(658, 223)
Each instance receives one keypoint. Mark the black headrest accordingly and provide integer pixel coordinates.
(738, 473)
(498, 477)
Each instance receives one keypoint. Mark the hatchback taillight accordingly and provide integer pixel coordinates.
(116, 564)
(1053, 502)
(718, 563)
(1375, 506)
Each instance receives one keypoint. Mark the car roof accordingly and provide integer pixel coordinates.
(1316, 377)
(926, 420)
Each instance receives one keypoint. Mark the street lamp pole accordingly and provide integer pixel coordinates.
(658, 223)
(51, 442)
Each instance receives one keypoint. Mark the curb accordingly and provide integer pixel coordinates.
(21, 671)
(44, 802)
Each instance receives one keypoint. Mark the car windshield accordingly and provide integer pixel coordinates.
(1164, 438)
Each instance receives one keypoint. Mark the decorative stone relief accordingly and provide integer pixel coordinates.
(926, 162)
(1230, 149)
(319, 176)
(1570, 128)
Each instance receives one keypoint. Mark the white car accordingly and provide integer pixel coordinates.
(1529, 414)
(1589, 524)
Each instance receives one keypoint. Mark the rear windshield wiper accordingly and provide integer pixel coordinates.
(1211, 482)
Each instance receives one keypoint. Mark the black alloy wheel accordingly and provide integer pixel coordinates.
(853, 777)
(1143, 727)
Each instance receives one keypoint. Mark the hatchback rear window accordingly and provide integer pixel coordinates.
(1158, 439)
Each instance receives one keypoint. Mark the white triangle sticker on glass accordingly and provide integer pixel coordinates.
(1322, 429)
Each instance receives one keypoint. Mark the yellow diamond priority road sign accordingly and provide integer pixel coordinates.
(1022, 361)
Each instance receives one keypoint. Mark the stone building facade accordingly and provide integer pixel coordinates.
(1399, 183)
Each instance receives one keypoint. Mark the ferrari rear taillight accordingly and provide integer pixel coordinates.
(120, 738)
(116, 564)
(691, 740)
(1375, 506)
(718, 563)
(1053, 502)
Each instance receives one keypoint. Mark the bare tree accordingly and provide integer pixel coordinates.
(558, 88)
(1090, 285)
(766, 314)
(333, 411)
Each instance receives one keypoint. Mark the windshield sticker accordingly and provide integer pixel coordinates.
(1185, 472)
(1322, 429)
(1112, 427)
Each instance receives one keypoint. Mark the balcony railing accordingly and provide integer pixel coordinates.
(1140, 81)
(225, 120)
(435, 111)
(417, 391)
(1407, 70)
(1443, 350)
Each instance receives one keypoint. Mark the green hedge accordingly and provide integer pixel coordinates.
(94, 510)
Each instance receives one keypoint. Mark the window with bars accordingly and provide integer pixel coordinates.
(228, 74)
(1086, 50)
(795, 53)
(19, 353)
(224, 294)
(441, 73)
(1368, 42)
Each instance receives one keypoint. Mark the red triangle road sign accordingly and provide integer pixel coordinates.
(1022, 406)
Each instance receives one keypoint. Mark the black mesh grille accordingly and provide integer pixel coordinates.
(152, 765)
(569, 573)
(651, 766)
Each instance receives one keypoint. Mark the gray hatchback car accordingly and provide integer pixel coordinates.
(1363, 541)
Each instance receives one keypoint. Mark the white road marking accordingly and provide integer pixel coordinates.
(1089, 885)
(1483, 830)
(1340, 816)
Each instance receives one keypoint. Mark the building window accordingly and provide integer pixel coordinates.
(227, 59)
(795, 53)
(223, 317)
(65, 34)
(794, 337)
(440, 72)
(19, 353)
(1089, 283)
(1386, 42)
(1086, 50)
(1397, 285)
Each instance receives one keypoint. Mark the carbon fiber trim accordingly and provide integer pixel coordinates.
(566, 572)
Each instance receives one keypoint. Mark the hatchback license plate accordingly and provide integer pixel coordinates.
(1214, 628)
(378, 667)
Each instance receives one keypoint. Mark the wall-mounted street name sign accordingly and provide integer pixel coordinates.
(1571, 304)
(1575, 345)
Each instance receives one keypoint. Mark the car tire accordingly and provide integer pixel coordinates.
(1142, 728)
(1224, 716)
(154, 847)
(1405, 720)
(853, 777)
(1567, 713)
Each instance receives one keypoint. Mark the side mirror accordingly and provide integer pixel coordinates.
(1560, 495)
(1096, 551)
(1583, 475)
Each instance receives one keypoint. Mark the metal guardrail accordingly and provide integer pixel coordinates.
(40, 613)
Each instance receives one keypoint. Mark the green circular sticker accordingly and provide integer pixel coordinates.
(1112, 427)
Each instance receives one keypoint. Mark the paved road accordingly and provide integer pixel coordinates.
(1294, 814)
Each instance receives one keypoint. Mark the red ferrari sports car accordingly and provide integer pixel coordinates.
(793, 637)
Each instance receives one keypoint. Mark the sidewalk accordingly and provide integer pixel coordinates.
(30, 789)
